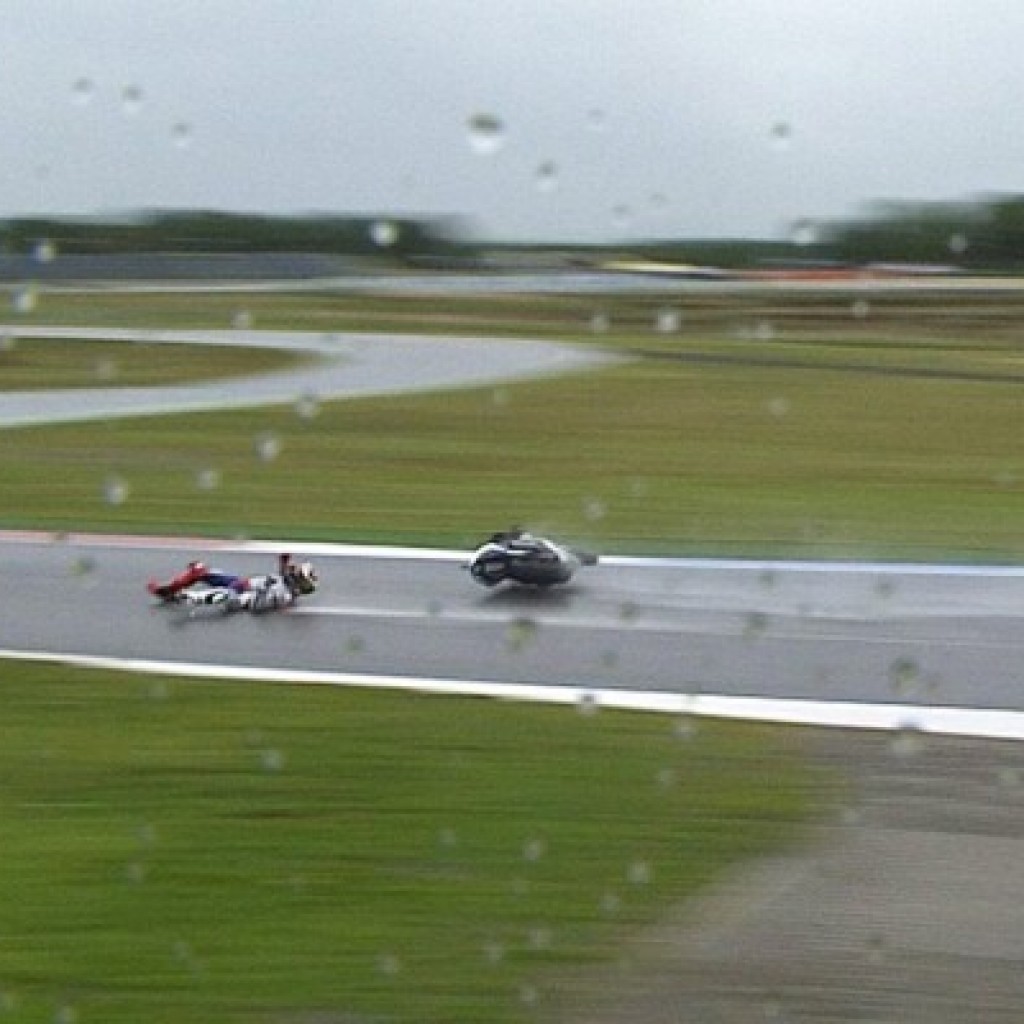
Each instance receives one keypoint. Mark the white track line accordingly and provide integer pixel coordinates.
(909, 718)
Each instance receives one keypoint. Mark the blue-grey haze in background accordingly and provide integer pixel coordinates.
(581, 120)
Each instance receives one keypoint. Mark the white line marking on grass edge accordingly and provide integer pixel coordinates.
(950, 721)
(383, 551)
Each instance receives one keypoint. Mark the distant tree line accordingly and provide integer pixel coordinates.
(206, 231)
(983, 234)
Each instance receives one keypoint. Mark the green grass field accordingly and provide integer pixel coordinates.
(28, 364)
(190, 852)
(887, 432)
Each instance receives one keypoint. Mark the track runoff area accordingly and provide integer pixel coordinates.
(906, 718)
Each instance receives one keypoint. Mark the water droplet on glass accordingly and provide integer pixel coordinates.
(25, 300)
(135, 873)
(622, 214)
(486, 133)
(861, 309)
(658, 201)
(181, 134)
(667, 321)
(499, 397)
(82, 91)
(546, 176)
(272, 760)
(494, 953)
(8, 342)
(534, 850)
(115, 490)
(908, 740)
(610, 903)
(639, 872)
(600, 323)
(528, 995)
(384, 233)
(958, 244)
(666, 778)
(804, 232)
(685, 727)
(448, 838)
(389, 964)
(778, 407)
(83, 565)
(307, 406)
(904, 674)
(241, 320)
(597, 120)
(208, 479)
(540, 937)
(268, 447)
(519, 634)
(1009, 778)
(764, 331)
(131, 99)
(876, 949)
(755, 624)
(587, 703)
(44, 251)
(594, 509)
(106, 369)
(781, 134)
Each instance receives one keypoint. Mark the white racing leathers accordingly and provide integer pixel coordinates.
(266, 593)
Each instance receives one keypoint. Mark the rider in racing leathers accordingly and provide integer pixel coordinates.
(254, 593)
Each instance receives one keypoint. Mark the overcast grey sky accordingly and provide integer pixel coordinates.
(609, 118)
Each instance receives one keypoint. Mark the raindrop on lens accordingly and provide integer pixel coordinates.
(587, 704)
(621, 215)
(181, 134)
(106, 369)
(307, 407)
(82, 91)
(907, 741)
(782, 134)
(861, 309)
(600, 323)
(384, 233)
(272, 760)
(534, 850)
(25, 300)
(903, 674)
(597, 120)
(8, 342)
(639, 872)
(268, 447)
(389, 964)
(241, 320)
(778, 407)
(494, 953)
(208, 479)
(44, 251)
(958, 244)
(546, 176)
(540, 937)
(667, 321)
(486, 133)
(610, 903)
(131, 99)
(115, 490)
(804, 232)
(528, 995)
(594, 509)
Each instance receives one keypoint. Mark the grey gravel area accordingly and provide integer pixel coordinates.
(904, 908)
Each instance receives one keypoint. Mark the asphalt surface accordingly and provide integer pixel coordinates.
(347, 365)
(876, 634)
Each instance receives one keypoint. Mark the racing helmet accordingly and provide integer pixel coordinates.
(306, 578)
(196, 566)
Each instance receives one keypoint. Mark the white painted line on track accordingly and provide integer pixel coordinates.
(383, 551)
(911, 718)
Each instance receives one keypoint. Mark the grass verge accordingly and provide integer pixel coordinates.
(186, 852)
(28, 364)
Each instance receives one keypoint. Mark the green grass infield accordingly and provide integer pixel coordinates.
(181, 852)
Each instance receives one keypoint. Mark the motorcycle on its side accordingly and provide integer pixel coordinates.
(516, 556)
